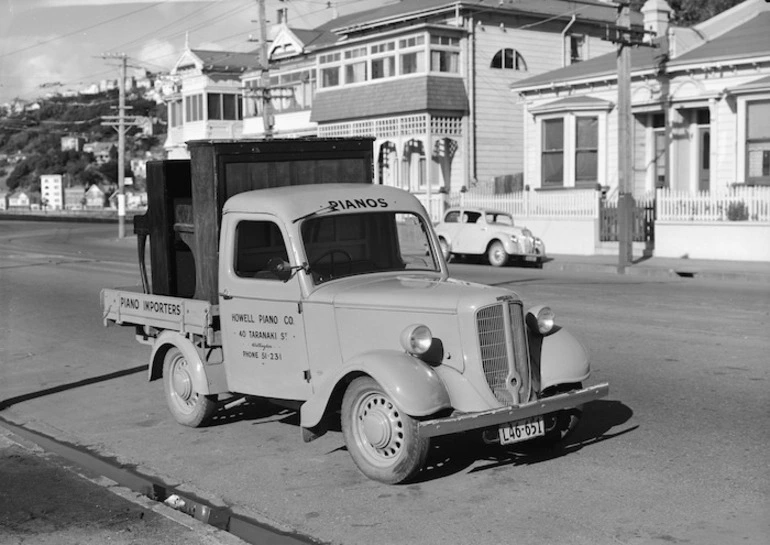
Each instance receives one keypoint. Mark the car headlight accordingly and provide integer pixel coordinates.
(416, 339)
(542, 318)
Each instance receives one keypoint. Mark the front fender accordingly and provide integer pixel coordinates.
(413, 385)
(562, 358)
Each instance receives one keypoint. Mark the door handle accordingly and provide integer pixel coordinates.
(225, 294)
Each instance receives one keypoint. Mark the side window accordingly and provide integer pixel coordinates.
(452, 217)
(472, 217)
(256, 243)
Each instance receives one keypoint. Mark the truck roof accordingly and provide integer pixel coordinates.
(294, 202)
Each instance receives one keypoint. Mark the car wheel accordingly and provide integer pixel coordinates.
(188, 406)
(496, 254)
(561, 424)
(383, 441)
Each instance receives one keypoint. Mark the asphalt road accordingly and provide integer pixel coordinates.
(677, 453)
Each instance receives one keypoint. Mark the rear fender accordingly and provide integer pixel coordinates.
(413, 385)
(207, 379)
(562, 358)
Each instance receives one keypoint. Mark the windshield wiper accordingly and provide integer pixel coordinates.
(315, 213)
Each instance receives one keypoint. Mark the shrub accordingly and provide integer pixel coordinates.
(737, 211)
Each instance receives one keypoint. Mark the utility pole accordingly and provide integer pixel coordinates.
(120, 122)
(625, 37)
(264, 80)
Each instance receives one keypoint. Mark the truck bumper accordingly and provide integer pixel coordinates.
(485, 419)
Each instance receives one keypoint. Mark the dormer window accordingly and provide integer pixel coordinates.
(509, 59)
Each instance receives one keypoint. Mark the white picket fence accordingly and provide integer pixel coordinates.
(581, 203)
(751, 204)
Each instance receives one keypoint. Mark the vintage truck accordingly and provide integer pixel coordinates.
(334, 298)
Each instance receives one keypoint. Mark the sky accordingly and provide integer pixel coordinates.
(58, 45)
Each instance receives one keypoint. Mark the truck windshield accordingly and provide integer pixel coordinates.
(349, 244)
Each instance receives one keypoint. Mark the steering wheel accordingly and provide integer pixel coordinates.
(330, 253)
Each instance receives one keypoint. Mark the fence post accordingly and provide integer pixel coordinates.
(526, 201)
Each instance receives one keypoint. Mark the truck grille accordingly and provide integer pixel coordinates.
(504, 356)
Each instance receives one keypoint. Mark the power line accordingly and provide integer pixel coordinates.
(59, 37)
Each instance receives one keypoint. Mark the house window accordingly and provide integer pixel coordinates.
(224, 106)
(445, 54)
(330, 77)
(576, 48)
(355, 72)
(660, 153)
(758, 143)
(193, 108)
(175, 113)
(384, 67)
(509, 59)
(553, 152)
(411, 55)
(586, 151)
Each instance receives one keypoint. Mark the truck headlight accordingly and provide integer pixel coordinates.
(542, 318)
(416, 339)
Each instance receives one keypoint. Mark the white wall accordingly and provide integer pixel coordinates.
(734, 241)
(578, 236)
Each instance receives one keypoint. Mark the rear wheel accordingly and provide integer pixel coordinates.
(496, 254)
(382, 440)
(189, 407)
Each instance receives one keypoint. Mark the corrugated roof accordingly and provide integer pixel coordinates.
(751, 39)
(417, 94)
(587, 10)
(642, 58)
(227, 61)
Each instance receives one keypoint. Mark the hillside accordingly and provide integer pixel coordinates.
(30, 142)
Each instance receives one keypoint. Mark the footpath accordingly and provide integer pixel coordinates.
(46, 500)
(661, 267)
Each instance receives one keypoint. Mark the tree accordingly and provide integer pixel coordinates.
(687, 13)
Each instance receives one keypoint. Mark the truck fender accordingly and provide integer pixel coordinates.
(414, 386)
(563, 359)
(171, 339)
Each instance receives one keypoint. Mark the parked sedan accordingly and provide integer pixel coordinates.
(490, 233)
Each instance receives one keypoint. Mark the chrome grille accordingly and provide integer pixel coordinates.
(503, 347)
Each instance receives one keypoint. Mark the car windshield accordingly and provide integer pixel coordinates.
(499, 217)
(340, 245)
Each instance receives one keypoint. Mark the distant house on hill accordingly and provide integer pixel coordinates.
(23, 199)
(3, 200)
(74, 197)
(135, 199)
(96, 198)
(100, 151)
(74, 143)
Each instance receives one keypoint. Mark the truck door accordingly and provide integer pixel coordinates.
(263, 332)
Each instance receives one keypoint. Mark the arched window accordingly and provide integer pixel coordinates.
(509, 59)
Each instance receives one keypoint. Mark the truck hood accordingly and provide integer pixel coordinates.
(407, 292)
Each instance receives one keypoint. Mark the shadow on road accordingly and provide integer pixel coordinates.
(5, 403)
(453, 454)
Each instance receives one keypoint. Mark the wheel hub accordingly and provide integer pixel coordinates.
(182, 383)
(377, 429)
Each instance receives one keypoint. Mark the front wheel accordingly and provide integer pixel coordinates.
(188, 406)
(496, 254)
(382, 440)
(561, 424)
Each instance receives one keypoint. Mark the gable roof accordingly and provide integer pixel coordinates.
(750, 39)
(218, 61)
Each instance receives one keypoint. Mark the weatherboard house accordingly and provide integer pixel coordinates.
(700, 102)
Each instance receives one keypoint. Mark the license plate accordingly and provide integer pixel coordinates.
(521, 430)
(530, 258)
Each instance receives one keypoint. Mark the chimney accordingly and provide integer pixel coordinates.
(657, 14)
(283, 16)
